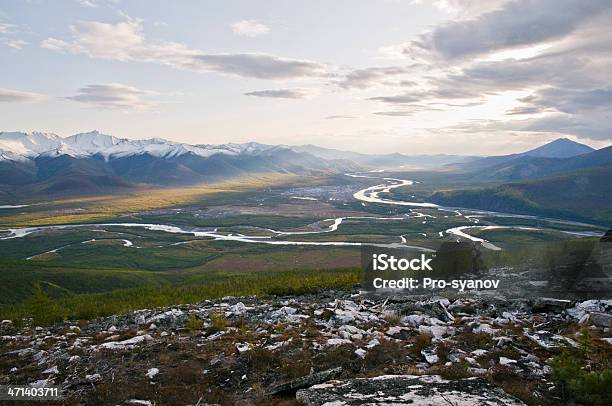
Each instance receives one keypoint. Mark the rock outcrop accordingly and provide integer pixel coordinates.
(406, 390)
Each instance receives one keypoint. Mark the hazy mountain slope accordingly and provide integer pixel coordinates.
(559, 148)
(528, 167)
(147, 168)
(65, 173)
(65, 165)
(384, 160)
(581, 194)
(17, 172)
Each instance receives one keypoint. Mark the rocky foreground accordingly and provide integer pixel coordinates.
(332, 348)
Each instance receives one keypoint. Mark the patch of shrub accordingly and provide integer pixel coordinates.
(421, 342)
(218, 322)
(587, 387)
(457, 370)
(194, 323)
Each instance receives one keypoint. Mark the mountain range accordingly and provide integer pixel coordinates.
(393, 160)
(556, 178)
(20, 146)
(93, 161)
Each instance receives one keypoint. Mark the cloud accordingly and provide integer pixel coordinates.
(585, 113)
(280, 93)
(114, 96)
(7, 33)
(259, 66)
(594, 125)
(558, 69)
(394, 113)
(571, 100)
(571, 70)
(519, 111)
(397, 99)
(87, 3)
(7, 28)
(408, 110)
(465, 8)
(249, 28)
(368, 77)
(516, 23)
(13, 43)
(122, 41)
(14, 96)
(125, 41)
(340, 116)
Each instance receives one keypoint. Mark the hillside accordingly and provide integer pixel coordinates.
(314, 348)
(557, 149)
(582, 195)
(528, 167)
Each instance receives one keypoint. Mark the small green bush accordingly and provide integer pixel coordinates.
(194, 323)
(219, 322)
(43, 309)
(587, 387)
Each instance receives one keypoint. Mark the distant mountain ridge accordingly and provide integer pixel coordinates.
(577, 187)
(94, 162)
(559, 148)
(391, 160)
(528, 167)
(20, 145)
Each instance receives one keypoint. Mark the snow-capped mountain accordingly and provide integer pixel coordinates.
(21, 145)
(28, 145)
(92, 162)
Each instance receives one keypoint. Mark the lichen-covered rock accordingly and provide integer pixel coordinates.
(546, 304)
(601, 319)
(304, 381)
(410, 390)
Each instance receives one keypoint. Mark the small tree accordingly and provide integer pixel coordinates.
(43, 310)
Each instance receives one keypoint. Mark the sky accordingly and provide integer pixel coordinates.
(410, 76)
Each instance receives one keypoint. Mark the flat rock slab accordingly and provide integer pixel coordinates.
(410, 390)
(304, 382)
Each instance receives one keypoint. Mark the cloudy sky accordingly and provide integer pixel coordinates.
(414, 76)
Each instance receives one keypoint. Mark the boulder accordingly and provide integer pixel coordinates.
(546, 304)
(601, 319)
(304, 382)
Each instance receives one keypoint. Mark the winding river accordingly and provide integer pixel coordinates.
(370, 194)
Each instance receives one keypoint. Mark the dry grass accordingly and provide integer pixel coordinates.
(420, 342)
(457, 370)
(471, 341)
(393, 319)
(511, 383)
